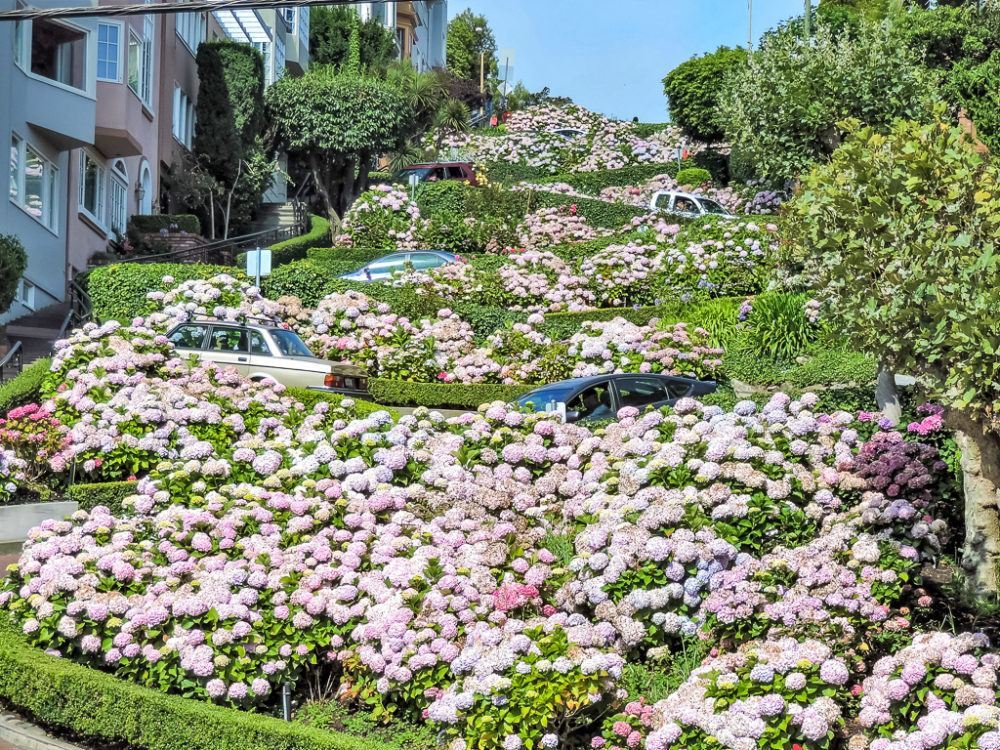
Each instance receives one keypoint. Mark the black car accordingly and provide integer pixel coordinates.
(601, 396)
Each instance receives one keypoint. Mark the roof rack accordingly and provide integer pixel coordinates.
(240, 320)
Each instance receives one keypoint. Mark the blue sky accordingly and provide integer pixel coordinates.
(611, 55)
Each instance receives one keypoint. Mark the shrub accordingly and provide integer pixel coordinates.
(693, 90)
(110, 494)
(597, 213)
(309, 399)
(777, 326)
(96, 705)
(693, 177)
(152, 223)
(827, 366)
(13, 262)
(438, 395)
(510, 172)
(26, 387)
(442, 197)
(593, 183)
(379, 178)
(119, 291)
(485, 319)
(306, 279)
(646, 129)
(383, 217)
(715, 163)
(297, 247)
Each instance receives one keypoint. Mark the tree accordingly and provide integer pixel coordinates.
(337, 124)
(330, 34)
(899, 232)
(693, 88)
(465, 46)
(782, 108)
(228, 126)
(13, 263)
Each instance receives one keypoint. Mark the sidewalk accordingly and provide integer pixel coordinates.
(17, 734)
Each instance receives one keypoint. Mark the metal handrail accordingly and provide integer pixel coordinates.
(81, 309)
(233, 244)
(14, 350)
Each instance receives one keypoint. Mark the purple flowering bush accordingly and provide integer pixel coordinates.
(384, 217)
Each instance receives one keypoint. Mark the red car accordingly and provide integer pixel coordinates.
(463, 171)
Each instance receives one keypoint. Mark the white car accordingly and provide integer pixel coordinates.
(569, 134)
(687, 204)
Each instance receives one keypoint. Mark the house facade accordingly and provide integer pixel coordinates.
(421, 28)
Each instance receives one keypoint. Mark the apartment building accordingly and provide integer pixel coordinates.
(280, 34)
(421, 28)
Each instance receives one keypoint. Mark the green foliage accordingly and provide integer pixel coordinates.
(508, 172)
(309, 399)
(26, 387)
(561, 326)
(693, 177)
(781, 110)
(336, 123)
(119, 291)
(824, 367)
(715, 163)
(646, 129)
(297, 247)
(89, 703)
(441, 396)
(308, 280)
(777, 328)
(593, 183)
(597, 213)
(693, 89)
(340, 260)
(975, 87)
(152, 223)
(465, 44)
(487, 320)
(379, 178)
(899, 231)
(392, 735)
(330, 34)
(13, 262)
(442, 197)
(108, 494)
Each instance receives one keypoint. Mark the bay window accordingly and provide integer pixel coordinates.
(33, 182)
(93, 179)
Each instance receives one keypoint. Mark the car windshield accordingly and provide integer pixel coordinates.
(712, 207)
(290, 345)
(420, 172)
(544, 396)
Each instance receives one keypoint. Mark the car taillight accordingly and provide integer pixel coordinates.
(333, 381)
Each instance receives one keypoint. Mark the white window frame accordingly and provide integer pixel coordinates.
(120, 45)
(184, 116)
(144, 61)
(191, 29)
(50, 183)
(100, 184)
(26, 294)
(118, 196)
(23, 31)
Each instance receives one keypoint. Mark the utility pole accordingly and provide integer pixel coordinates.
(749, 25)
(808, 20)
(482, 61)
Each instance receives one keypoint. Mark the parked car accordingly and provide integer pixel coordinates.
(687, 204)
(385, 267)
(266, 352)
(569, 134)
(601, 396)
(452, 170)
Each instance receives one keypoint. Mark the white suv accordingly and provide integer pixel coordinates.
(687, 204)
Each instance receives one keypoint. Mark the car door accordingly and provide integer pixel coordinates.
(189, 337)
(641, 392)
(663, 201)
(711, 207)
(424, 261)
(229, 346)
(596, 401)
(456, 173)
(383, 268)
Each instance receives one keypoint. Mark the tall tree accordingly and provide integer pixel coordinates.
(337, 124)
(466, 46)
(228, 124)
(693, 89)
(782, 108)
(330, 34)
(899, 231)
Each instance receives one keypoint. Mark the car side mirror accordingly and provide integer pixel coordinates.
(571, 416)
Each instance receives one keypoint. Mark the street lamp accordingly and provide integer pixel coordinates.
(482, 61)
(749, 25)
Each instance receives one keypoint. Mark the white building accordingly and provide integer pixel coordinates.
(421, 28)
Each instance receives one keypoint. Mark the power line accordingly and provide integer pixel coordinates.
(90, 11)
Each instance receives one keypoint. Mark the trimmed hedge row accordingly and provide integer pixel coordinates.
(593, 183)
(150, 223)
(297, 247)
(111, 494)
(379, 178)
(101, 707)
(826, 366)
(119, 291)
(309, 399)
(507, 172)
(441, 395)
(646, 129)
(25, 387)
(597, 212)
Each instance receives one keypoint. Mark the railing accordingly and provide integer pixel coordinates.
(80, 309)
(220, 252)
(12, 361)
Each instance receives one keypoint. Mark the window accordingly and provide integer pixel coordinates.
(641, 391)
(59, 53)
(20, 55)
(118, 214)
(33, 181)
(303, 12)
(279, 58)
(109, 52)
(593, 403)
(191, 28)
(265, 50)
(423, 261)
(663, 201)
(258, 345)
(712, 207)
(183, 117)
(288, 16)
(92, 181)
(140, 62)
(26, 294)
(189, 336)
(685, 205)
(401, 43)
(228, 340)
(289, 344)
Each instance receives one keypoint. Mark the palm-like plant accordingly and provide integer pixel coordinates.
(451, 117)
(409, 154)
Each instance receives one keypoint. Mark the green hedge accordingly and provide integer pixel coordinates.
(693, 177)
(24, 389)
(826, 366)
(341, 260)
(119, 291)
(598, 213)
(593, 183)
(110, 494)
(560, 326)
(507, 172)
(379, 178)
(150, 223)
(106, 710)
(309, 399)
(646, 129)
(441, 197)
(297, 247)
(717, 164)
(441, 395)
(487, 320)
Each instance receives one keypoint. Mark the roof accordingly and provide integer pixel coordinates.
(243, 25)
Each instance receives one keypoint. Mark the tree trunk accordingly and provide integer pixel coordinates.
(980, 461)
(886, 395)
(323, 189)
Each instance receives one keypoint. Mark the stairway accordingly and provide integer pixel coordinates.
(37, 332)
(274, 216)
